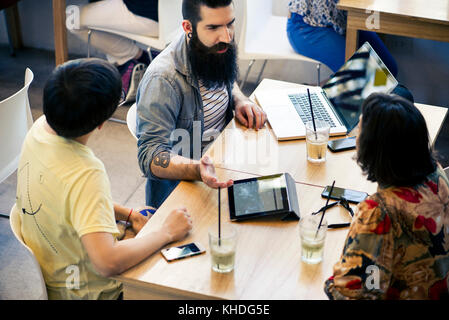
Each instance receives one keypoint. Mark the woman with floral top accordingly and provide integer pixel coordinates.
(398, 243)
(316, 29)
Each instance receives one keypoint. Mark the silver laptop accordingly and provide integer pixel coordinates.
(338, 102)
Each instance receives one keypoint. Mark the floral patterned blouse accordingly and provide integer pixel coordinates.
(403, 235)
(320, 13)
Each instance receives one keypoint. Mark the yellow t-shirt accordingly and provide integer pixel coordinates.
(63, 193)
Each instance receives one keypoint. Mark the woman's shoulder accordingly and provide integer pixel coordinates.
(413, 194)
(410, 202)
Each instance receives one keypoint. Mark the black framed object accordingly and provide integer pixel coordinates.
(263, 196)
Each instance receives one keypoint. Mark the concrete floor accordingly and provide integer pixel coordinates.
(114, 145)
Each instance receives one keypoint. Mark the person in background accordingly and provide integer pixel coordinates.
(186, 98)
(64, 202)
(398, 242)
(139, 17)
(316, 29)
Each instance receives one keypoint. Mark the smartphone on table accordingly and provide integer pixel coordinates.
(352, 196)
(180, 252)
(341, 144)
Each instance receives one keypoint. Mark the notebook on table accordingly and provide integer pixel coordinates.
(338, 102)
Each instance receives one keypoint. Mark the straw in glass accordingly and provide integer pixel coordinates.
(219, 221)
(311, 112)
(325, 208)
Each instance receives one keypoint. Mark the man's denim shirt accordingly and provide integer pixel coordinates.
(169, 98)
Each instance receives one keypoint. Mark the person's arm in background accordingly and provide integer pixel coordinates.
(367, 257)
(246, 111)
(157, 116)
(111, 257)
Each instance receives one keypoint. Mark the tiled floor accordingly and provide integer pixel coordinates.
(113, 144)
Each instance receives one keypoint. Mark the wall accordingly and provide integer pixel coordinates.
(423, 64)
(36, 18)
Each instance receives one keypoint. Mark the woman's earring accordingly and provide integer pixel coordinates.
(190, 35)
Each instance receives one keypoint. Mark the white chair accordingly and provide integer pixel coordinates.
(263, 36)
(170, 18)
(15, 223)
(131, 120)
(15, 120)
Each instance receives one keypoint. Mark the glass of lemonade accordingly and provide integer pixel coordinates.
(316, 141)
(222, 249)
(312, 238)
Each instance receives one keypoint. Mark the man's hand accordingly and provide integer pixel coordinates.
(208, 176)
(138, 220)
(249, 114)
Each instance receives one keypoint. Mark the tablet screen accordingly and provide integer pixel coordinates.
(258, 195)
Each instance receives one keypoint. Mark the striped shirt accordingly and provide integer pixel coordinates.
(215, 103)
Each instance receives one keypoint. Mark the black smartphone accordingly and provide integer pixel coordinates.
(341, 144)
(350, 195)
(187, 250)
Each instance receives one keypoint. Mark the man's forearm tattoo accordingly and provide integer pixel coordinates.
(162, 159)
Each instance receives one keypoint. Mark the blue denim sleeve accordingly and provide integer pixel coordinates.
(158, 105)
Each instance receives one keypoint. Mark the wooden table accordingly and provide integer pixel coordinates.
(268, 263)
(60, 31)
(427, 19)
(258, 152)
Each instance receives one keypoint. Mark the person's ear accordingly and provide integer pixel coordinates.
(187, 27)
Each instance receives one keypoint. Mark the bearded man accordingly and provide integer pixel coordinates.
(188, 95)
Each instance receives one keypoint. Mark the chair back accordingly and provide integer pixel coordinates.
(131, 120)
(16, 227)
(254, 11)
(170, 18)
(15, 121)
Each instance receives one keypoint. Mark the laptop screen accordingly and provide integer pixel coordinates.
(363, 74)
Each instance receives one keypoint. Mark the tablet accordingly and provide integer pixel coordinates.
(262, 196)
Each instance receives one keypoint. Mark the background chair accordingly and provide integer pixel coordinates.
(15, 120)
(131, 120)
(263, 36)
(170, 18)
(15, 223)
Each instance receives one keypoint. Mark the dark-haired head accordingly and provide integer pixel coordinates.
(80, 95)
(191, 8)
(393, 144)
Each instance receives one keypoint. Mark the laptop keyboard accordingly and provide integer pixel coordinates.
(302, 106)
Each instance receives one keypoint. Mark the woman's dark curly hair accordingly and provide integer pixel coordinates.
(393, 143)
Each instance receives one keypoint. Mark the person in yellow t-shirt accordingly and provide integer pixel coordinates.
(64, 198)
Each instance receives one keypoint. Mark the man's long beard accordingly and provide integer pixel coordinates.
(212, 68)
